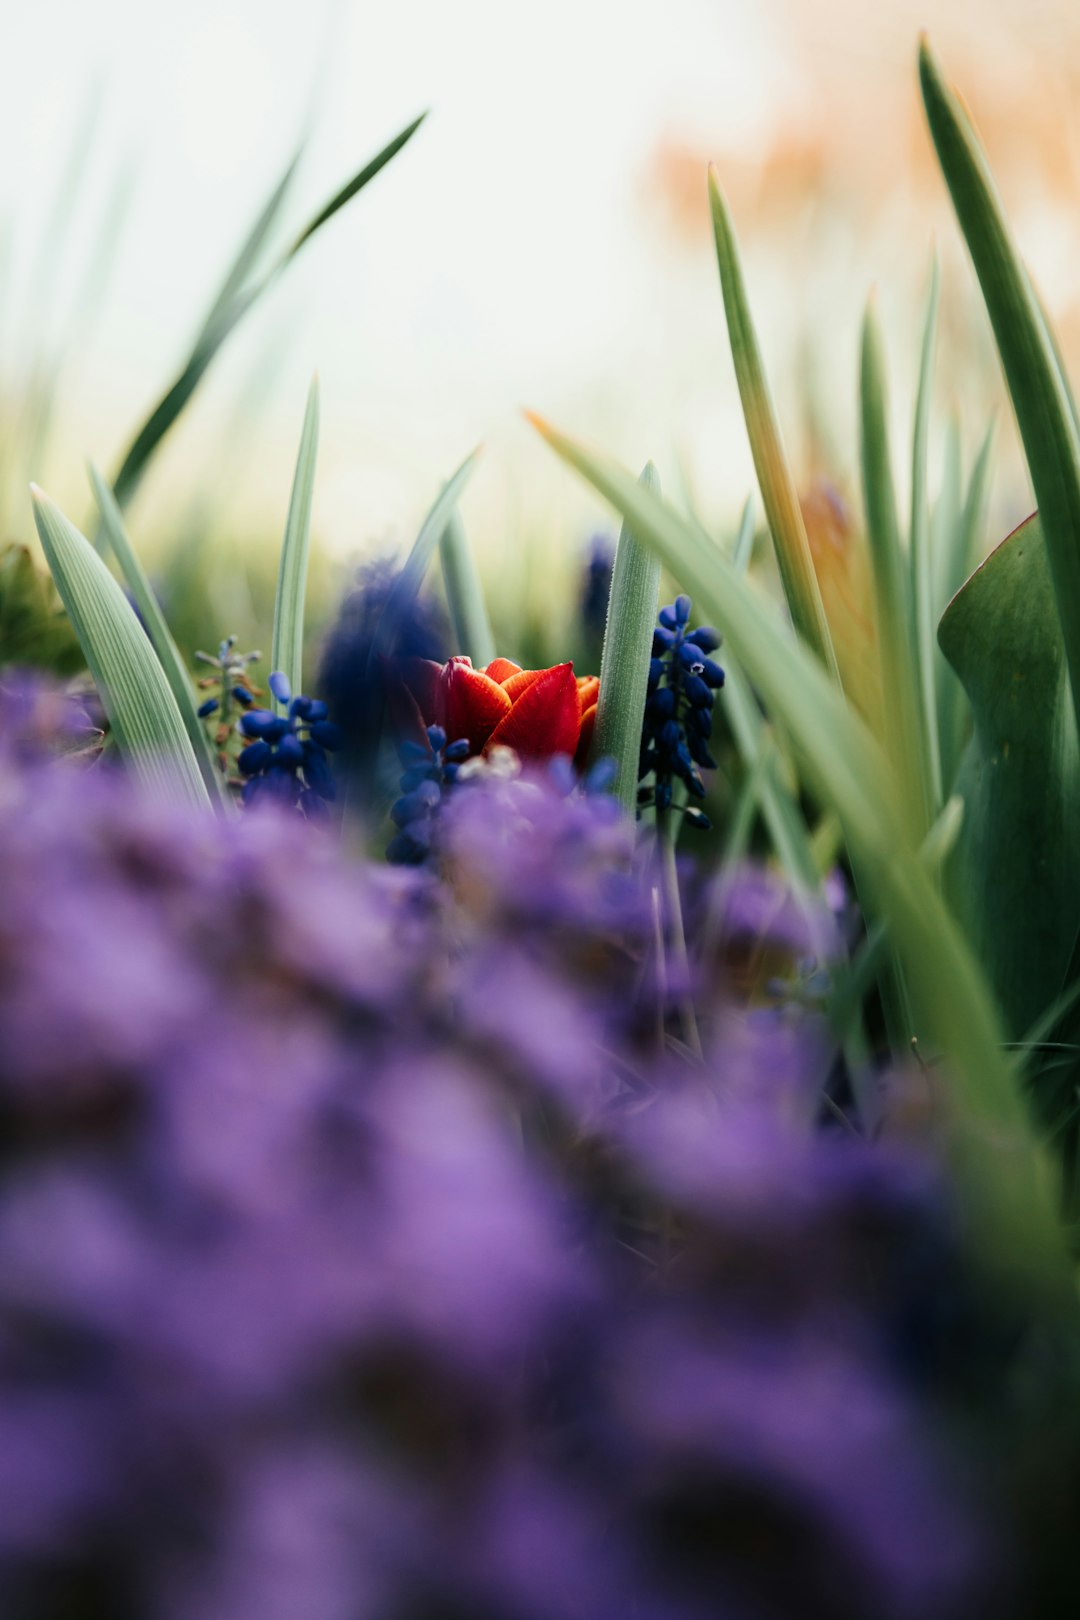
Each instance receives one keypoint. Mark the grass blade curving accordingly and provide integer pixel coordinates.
(287, 646)
(161, 638)
(904, 737)
(922, 577)
(228, 311)
(1041, 400)
(778, 490)
(465, 595)
(624, 665)
(142, 710)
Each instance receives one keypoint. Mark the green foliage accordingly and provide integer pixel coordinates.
(905, 739)
(778, 490)
(847, 771)
(175, 670)
(287, 651)
(1041, 397)
(624, 666)
(232, 303)
(34, 629)
(142, 710)
(1015, 876)
(465, 596)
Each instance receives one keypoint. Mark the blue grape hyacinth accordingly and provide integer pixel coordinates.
(430, 773)
(286, 758)
(683, 682)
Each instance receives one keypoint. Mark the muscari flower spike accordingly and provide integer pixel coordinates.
(230, 686)
(286, 758)
(430, 774)
(683, 682)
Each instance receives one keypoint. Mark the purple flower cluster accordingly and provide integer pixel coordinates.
(362, 1252)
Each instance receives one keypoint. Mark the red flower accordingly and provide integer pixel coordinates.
(536, 712)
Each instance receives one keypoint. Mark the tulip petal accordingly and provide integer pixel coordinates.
(588, 687)
(588, 726)
(473, 704)
(546, 718)
(501, 669)
(515, 685)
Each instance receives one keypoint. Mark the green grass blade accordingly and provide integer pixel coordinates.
(778, 492)
(465, 596)
(287, 646)
(922, 577)
(142, 710)
(225, 317)
(247, 257)
(624, 665)
(406, 587)
(760, 753)
(1042, 404)
(1008, 1189)
(351, 187)
(161, 638)
(904, 735)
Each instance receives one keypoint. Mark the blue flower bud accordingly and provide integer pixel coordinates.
(682, 609)
(708, 640)
(279, 685)
(262, 723)
(436, 737)
(697, 692)
(254, 758)
(211, 706)
(242, 696)
(290, 753)
(457, 752)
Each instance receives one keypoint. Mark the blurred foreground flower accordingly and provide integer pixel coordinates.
(360, 1255)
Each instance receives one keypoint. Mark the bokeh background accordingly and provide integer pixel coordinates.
(543, 241)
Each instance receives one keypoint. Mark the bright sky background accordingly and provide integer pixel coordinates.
(510, 256)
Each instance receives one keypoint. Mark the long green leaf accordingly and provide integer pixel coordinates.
(160, 636)
(1043, 408)
(225, 316)
(845, 768)
(778, 491)
(142, 710)
(287, 647)
(624, 665)
(922, 577)
(407, 585)
(903, 734)
(465, 595)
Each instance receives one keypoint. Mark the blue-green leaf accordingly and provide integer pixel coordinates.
(142, 710)
(287, 647)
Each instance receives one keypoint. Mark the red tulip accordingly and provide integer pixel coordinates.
(536, 712)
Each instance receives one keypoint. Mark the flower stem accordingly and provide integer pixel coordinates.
(666, 833)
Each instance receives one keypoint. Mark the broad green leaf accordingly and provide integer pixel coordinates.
(161, 638)
(922, 576)
(287, 647)
(624, 666)
(904, 736)
(1044, 410)
(34, 629)
(1016, 872)
(777, 485)
(227, 312)
(1007, 1183)
(465, 596)
(142, 710)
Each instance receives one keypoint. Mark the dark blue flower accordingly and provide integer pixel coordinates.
(683, 682)
(431, 772)
(286, 758)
